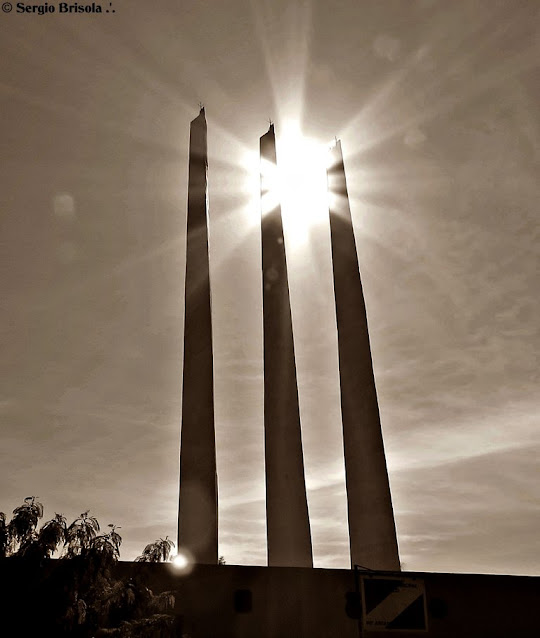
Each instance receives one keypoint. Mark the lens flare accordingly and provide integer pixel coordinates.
(183, 561)
(297, 182)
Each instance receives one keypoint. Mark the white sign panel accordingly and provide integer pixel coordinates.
(391, 603)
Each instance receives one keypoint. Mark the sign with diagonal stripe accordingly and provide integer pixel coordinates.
(393, 603)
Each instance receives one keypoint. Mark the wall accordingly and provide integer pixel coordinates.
(300, 602)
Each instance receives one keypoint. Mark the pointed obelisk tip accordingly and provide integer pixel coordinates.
(335, 150)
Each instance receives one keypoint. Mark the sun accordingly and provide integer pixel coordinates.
(183, 561)
(180, 561)
(298, 182)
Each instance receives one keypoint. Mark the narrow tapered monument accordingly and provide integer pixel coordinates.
(197, 515)
(287, 519)
(372, 532)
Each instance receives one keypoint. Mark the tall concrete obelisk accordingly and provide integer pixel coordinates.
(372, 530)
(197, 516)
(287, 519)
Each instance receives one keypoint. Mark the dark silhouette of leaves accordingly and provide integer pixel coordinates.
(156, 552)
(52, 534)
(25, 519)
(78, 595)
(80, 534)
(4, 536)
(108, 543)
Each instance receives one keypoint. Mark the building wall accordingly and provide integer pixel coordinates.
(310, 603)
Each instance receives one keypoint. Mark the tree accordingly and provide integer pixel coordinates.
(24, 522)
(77, 595)
(44, 543)
(108, 543)
(52, 534)
(80, 534)
(156, 552)
(4, 536)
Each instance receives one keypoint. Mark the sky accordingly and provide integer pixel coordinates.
(436, 105)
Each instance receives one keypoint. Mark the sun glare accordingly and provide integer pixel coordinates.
(298, 183)
(183, 561)
(180, 561)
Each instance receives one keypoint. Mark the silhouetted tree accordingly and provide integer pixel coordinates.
(78, 595)
(44, 543)
(156, 552)
(52, 534)
(24, 522)
(80, 534)
(4, 536)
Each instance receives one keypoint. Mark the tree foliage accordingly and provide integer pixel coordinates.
(4, 536)
(78, 595)
(52, 534)
(156, 552)
(81, 534)
(24, 522)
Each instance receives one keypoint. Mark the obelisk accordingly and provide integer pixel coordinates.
(197, 515)
(372, 532)
(287, 519)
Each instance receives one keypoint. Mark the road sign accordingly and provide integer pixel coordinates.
(393, 603)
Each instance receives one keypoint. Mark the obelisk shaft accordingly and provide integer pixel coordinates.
(289, 537)
(372, 531)
(197, 517)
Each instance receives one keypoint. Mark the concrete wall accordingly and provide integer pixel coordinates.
(310, 603)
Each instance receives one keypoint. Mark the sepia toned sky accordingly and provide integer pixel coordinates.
(437, 107)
